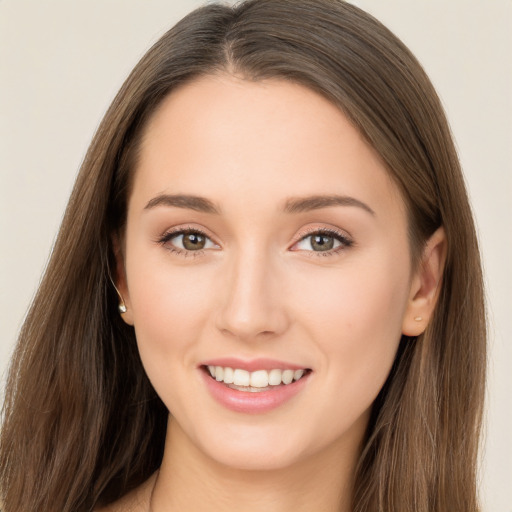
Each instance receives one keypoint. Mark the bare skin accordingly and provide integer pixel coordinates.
(262, 285)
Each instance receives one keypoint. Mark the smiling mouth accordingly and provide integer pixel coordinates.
(257, 381)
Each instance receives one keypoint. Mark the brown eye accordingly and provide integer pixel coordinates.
(322, 242)
(187, 240)
(193, 241)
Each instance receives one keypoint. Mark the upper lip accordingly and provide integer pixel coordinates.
(252, 364)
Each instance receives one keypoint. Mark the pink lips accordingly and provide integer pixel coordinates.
(248, 402)
(252, 365)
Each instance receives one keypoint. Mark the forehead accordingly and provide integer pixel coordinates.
(240, 142)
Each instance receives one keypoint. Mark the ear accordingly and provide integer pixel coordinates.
(120, 282)
(425, 285)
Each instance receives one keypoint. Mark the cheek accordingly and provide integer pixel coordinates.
(361, 296)
(170, 307)
(354, 315)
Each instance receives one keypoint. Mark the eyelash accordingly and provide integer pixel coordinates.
(169, 235)
(345, 241)
(332, 233)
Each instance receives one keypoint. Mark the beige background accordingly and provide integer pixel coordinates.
(61, 63)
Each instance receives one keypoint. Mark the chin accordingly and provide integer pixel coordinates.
(254, 449)
(255, 458)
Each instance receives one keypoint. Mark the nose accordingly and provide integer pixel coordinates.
(252, 305)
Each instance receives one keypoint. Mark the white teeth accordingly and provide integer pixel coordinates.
(228, 375)
(219, 373)
(287, 376)
(241, 377)
(275, 377)
(298, 374)
(254, 381)
(259, 379)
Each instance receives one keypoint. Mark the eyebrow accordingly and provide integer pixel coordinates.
(199, 204)
(292, 205)
(306, 204)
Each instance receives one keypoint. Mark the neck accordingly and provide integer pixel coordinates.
(190, 480)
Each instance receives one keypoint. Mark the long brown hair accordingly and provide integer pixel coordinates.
(81, 423)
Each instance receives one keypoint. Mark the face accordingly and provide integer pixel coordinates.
(265, 242)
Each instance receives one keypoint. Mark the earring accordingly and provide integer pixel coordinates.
(122, 306)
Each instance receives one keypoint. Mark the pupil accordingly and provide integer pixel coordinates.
(193, 241)
(322, 242)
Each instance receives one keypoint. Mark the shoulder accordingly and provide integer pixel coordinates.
(135, 501)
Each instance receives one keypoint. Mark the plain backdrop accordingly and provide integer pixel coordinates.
(61, 63)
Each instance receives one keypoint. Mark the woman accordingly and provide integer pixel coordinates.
(266, 291)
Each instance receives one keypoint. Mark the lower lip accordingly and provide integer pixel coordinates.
(252, 402)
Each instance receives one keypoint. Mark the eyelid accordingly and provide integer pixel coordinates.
(170, 233)
(311, 230)
(340, 235)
